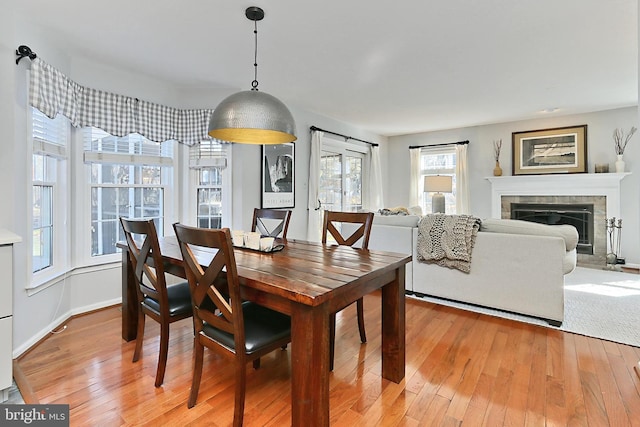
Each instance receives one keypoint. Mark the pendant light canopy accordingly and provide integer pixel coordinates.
(251, 116)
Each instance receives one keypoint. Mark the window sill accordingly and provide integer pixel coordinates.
(50, 280)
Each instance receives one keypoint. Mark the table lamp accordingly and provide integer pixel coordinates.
(438, 184)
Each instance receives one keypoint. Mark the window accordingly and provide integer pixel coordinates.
(43, 186)
(438, 161)
(209, 197)
(343, 167)
(129, 177)
(341, 179)
(48, 193)
(209, 160)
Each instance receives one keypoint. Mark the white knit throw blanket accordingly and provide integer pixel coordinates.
(447, 240)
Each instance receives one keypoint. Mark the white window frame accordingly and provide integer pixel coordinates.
(48, 186)
(355, 149)
(61, 257)
(84, 159)
(425, 198)
(194, 161)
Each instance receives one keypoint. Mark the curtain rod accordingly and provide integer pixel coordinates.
(439, 145)
(343, 136)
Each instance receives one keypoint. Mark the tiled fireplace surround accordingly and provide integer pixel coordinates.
(602, 190)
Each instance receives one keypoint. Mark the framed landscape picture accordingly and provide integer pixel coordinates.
(278, 175)
(546, 151)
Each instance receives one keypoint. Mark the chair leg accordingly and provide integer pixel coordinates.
(332, 339)
(238, 412)
(198, 352)
(256, 363)
(360, 307)
(139, 335)
(164, 349)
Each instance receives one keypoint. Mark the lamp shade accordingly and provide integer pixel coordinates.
(438, 183)
(252, 117)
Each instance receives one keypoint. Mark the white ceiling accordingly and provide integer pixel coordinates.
(390, 67)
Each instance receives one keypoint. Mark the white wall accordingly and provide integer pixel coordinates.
(600, 149)
(7, 116)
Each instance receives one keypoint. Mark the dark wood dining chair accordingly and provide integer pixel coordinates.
(332, 226)
(276, 224)
(164, 304)
(241, 331)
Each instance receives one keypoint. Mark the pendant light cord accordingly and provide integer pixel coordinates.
(254, 83)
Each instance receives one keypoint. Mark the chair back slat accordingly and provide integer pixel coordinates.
(226, 311)
(146, 259)
(332, 219)
(279, 230)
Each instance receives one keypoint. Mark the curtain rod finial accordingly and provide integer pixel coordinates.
(24, 51)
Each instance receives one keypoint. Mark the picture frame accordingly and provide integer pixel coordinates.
(549, 151)
(278, 176)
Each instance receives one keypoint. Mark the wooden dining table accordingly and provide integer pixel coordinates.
(307, 281)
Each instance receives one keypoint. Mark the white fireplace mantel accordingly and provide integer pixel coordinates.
(583, 184)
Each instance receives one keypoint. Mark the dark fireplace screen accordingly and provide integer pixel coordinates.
(578, 215)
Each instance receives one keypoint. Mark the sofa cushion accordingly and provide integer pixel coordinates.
(398, 220)
(515, 226)
(415, 210)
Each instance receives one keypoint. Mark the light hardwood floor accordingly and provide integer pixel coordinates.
(462, 368)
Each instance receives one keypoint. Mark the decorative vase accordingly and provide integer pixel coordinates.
(497, 171)
(619, 164)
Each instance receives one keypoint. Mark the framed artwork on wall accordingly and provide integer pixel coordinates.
(278, 175)
(546, 151)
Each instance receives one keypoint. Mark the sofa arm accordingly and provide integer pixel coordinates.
(398, 239)
(513, 272)
(514, 226)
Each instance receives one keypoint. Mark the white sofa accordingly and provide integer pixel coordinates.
(516, 266)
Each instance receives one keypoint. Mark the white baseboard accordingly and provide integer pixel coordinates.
(17, 352)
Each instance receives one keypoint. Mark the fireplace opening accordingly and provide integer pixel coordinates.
(578, 215)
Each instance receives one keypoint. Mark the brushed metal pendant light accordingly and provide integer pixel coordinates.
(251, 116)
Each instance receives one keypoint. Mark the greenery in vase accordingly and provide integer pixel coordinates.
(620, 139)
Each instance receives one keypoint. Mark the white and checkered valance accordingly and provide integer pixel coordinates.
(52, 92)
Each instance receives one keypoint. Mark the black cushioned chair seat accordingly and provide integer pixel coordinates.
(179, 300)
(261, 325)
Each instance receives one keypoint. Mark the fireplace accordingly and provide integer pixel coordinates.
(579, 215)
(592, 249)
(602, 190)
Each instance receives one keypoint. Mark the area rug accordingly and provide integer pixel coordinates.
(598, 303)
